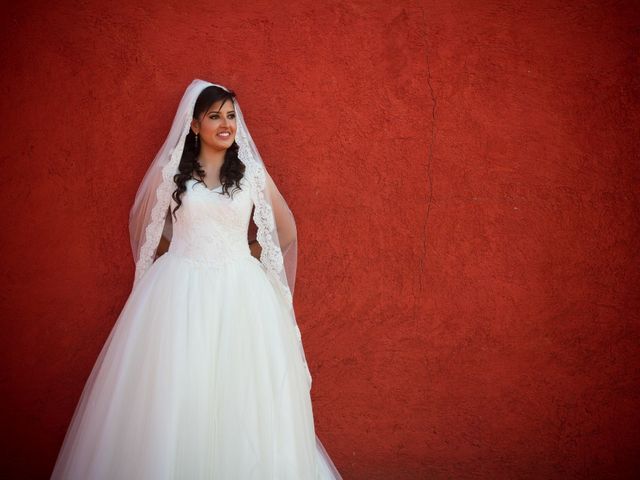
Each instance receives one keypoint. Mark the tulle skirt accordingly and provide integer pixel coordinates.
(200, 378)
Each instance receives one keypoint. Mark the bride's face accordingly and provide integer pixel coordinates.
(217, 127)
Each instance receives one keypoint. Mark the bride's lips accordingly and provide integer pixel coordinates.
(224, 136)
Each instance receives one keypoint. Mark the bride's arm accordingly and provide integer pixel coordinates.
(285, 222)
(163, 245)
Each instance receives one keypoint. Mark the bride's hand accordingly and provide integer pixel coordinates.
(255, 248)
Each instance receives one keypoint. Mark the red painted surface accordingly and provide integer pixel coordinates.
(465, 180)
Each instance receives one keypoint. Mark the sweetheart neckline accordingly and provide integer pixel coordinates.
(205, 185)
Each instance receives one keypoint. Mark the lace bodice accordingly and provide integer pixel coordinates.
(210, 227)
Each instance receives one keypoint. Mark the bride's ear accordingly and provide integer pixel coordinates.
(195, 125)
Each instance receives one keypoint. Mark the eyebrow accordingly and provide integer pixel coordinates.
(217, 111)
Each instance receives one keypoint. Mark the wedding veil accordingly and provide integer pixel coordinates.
(150, 216)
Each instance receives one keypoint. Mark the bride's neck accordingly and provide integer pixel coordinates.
(211, 160)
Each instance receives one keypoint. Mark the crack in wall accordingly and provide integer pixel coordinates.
(429, 179)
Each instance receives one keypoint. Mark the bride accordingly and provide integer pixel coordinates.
(203, 375)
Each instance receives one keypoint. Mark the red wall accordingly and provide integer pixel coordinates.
(465, 180)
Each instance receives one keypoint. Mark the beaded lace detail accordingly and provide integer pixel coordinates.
(153, 231)
(211, 229)
(271, 255)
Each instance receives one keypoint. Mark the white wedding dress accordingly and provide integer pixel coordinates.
(201, 376)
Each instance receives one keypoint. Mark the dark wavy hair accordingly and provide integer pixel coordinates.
(232, 169)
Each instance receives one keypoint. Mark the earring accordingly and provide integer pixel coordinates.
(196, 144)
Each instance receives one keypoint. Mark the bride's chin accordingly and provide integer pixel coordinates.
(220, 145)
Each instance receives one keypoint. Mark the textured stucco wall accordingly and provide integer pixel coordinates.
(465, 180)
